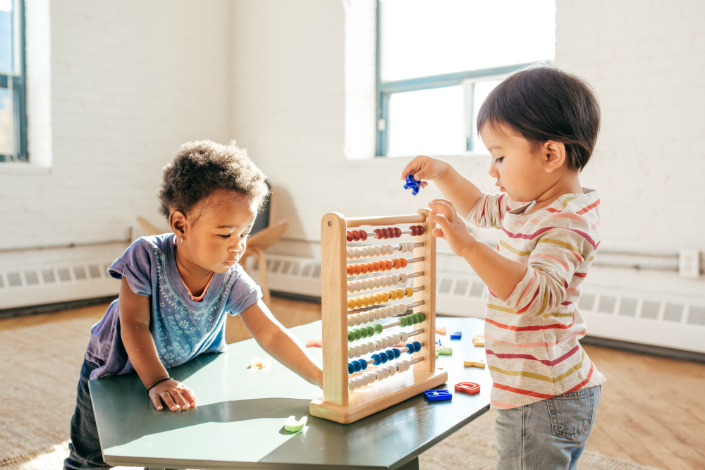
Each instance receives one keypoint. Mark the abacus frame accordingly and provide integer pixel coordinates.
(337, 403)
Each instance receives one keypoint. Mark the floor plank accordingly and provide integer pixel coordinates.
(652, 409)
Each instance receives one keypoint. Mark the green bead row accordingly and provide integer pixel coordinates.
(412, 319)
(364, 332)
(367, 331)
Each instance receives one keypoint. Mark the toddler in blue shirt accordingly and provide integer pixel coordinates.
(178, 287)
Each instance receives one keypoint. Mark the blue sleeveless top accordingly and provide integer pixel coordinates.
(181, 327)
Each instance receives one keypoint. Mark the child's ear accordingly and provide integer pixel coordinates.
(177, 221)
(554, 155)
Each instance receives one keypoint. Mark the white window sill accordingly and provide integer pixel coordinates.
(16, 168)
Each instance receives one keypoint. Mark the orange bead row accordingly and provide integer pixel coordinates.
(375, 266)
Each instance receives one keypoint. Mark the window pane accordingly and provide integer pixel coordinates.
(480, 92)
(7, 128)
(422, 38)
(426, 122)
(6, 36)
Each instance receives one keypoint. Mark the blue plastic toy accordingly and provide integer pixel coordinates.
(456, 335)
(438, 395)
(412, 183)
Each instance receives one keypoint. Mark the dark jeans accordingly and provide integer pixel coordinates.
(84, 449)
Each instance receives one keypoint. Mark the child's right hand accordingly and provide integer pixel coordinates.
(425, 168)
(175, 395)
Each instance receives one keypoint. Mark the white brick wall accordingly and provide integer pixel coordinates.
(130, 81)
(645, 61)
(290, 80)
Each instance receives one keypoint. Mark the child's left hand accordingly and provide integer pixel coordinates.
(451, 227)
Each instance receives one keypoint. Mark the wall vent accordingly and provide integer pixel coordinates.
(2, 281)
(650, 309)
(606, 304)
(31, 278)
(478, 289)
(64, 274)
(461, 287)
(587, 301)
(48, 276)
(673, 312)
(627, 307)
(14, 279)
(444, 286)
(696, 315)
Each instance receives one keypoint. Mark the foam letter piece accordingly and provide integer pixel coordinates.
(478, 340)
(441, 330)
(456, 335)
(445, 351)
(260, 363)
(314, 343)
(291, 425)
(478, 363)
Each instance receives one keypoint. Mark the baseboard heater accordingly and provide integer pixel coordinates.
(627, 316)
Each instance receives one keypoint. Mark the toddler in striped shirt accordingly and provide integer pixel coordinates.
(540, 126)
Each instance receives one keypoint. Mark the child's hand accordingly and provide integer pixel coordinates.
(451, 227)
(425, 168)
(175, 395)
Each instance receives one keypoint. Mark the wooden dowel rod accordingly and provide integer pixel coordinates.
(385, 220)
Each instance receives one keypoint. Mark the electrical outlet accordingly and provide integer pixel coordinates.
(689, 262)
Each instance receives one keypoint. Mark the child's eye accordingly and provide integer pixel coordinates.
(498, 160)
(224, 236)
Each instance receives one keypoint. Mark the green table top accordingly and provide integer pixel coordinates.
(239, 421)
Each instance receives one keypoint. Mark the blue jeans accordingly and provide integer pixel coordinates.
(84, 449)
(546, 435)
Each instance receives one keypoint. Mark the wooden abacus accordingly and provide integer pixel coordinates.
(351, 391)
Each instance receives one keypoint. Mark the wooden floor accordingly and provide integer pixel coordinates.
(652, 409)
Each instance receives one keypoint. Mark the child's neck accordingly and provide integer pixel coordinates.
(193, 276)
(569, 183)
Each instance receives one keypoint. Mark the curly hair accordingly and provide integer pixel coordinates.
(200, 168)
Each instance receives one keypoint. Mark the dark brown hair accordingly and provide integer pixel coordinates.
(200, 168)
(545, 103)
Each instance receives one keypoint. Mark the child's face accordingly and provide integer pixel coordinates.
(519, 168)
(217, 239)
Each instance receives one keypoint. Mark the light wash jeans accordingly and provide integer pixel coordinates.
(546, 435)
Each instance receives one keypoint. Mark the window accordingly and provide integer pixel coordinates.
(437, 62)
(13, 118)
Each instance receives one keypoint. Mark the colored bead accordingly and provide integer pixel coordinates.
(421, 230)
(379, 374)
(379, 298)
(383, 356)
(390, 264)
(397, 232)
(375, 266)
(414, 230)
(351, 336)
(409, 291)
(402, 278)
(357, 366)
(404, 337)
(378, 250)
(358, 302)
(363, 364)
(404, 262)
(356, 269)
(357, 334)
(370, 267)
(403, 321)
(385, 297)
(385, 233)
(363, 235)
(363, 332)
(350, 270)
(417, 346)
(422, 317)
(377, 359)
(363, 268)
(356, 235)
(409, 348)
(397, 353)
(351, 368)
(370, 330)
(349, 236)
(378, 328)
(378, 232)
(400, 293)
(351, 304)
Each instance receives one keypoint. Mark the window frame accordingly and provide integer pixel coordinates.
(18, 83)
(466, 79)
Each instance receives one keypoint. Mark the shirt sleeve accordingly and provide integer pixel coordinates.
(489, 210)
(558, 254)
(244, 293)
(136, 266)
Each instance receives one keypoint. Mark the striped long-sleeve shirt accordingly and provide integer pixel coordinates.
(532, 337)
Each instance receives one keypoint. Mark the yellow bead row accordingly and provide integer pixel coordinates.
(379, 298)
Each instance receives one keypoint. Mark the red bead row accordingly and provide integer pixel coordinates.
(356, 235)
(391, 232)
(417, 230)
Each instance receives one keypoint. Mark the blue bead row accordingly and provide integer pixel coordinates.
(382, 357)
